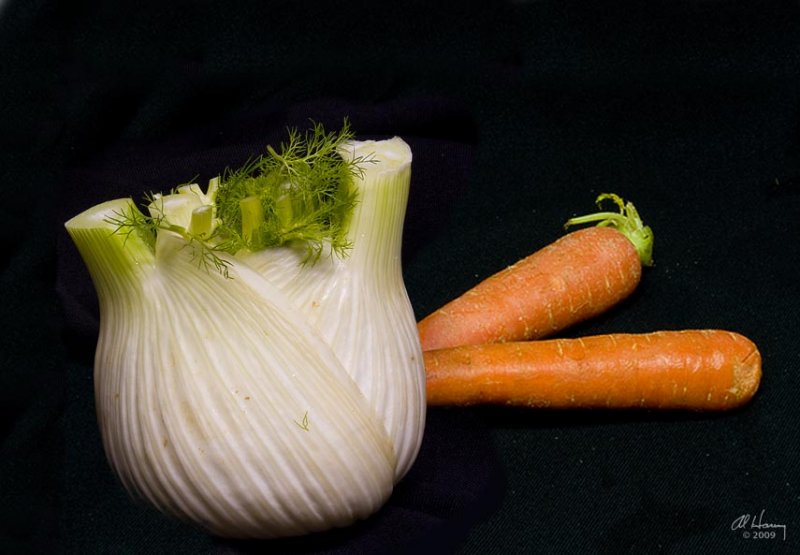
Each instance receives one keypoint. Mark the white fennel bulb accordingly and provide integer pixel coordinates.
(359, 302)
(257, 369)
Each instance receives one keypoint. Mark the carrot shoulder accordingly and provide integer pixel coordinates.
(694, 369)
(577, 277)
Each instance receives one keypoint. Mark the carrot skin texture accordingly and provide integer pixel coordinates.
(579, 276)
(699, 370)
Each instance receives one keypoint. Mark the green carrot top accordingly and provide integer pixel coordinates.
(627, 222)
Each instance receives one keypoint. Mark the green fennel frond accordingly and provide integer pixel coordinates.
(204, 252)
(304, 424)
(300, 194)
(131, 220)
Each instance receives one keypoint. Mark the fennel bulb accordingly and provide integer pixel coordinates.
(258, 369)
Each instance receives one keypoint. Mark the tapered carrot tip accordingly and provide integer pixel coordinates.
(685, 370)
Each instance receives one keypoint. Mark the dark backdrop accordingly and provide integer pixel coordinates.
(518, 114)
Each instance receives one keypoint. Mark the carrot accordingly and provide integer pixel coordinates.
(577, 277)
(693, 369)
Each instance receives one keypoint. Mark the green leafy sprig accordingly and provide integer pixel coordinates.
(302, 195)
(205, 253)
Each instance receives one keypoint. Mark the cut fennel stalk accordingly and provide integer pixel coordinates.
(277, 396)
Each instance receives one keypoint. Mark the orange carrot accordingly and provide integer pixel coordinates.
(579, 276)
(694, 369)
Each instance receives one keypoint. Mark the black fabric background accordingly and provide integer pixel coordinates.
(519, 114)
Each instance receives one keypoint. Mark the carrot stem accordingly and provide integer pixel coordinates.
(627, 222)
